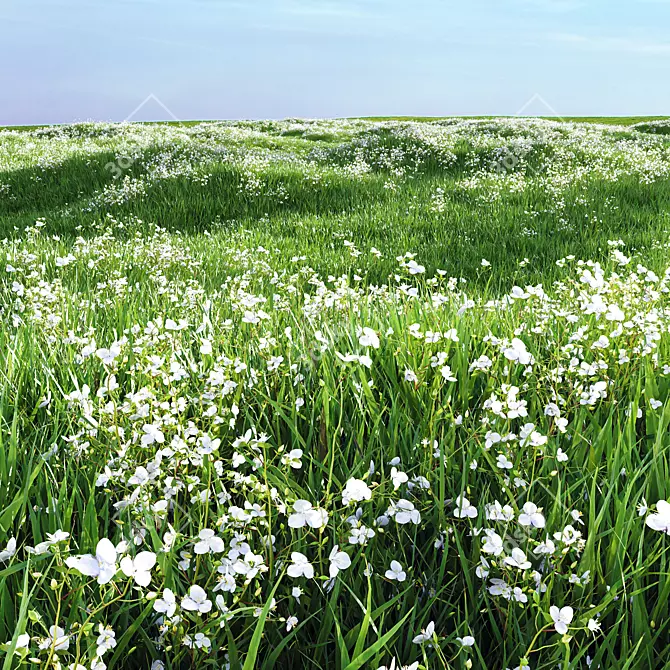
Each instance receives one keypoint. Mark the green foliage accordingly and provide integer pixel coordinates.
(212, 322)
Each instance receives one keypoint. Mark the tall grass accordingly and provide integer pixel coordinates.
(312, 320)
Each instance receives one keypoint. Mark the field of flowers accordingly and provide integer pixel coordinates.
(335, 394)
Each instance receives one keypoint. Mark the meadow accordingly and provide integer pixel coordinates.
(335, 394)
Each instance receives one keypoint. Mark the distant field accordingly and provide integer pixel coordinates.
(452, 191)
(609, 120)
(335, 394)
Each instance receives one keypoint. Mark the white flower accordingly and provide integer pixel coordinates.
(661, 520)
(368, 338)
(339, 560)
(518, 353)
(209, 543)
(414, 268)
(593, 625)
(552, 409)
(102, 565)
(293, 458)
(250, 566)
(546, 547)
(360, 535)
(504, 463)
(568, 535)
(305, 515)
(152, 434)
(493, 543)
(482, 570)
(22, 641)
(531, 516)
(106, 640)
(167, 604)
(395, 572)
(405, 512)
(139, 568)
(140, 478)
(562, 617)
(185, 562)
(615, 313)
(499, 587)
(196, 601)
(355, 490)
(447, 374)
(291, 623)
(519, 595)
(420, 481)
(528, 436)
(561, 456)
(496, 512)
(394, 666)
(467, 641)
(108, 356)
(464, 510)
(57, 639)
(517, 560)
(170, 324)
(58, 536)
(426, 634)
(8, 551)
(202, 641)
(366, 361)
(642, 507)
(275, 362)
(300, 567)
(398, 478)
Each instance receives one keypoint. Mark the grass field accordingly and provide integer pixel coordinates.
(335, 394)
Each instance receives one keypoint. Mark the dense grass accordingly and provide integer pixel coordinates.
(381, 319)
(277, 203)
(607, 120)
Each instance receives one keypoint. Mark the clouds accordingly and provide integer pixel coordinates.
(362, 19)
(304, 57)
(617, 44)
(556, 6)
(329, 8)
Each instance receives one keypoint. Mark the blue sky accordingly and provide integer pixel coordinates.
(66, 60)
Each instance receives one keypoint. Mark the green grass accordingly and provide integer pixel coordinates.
(608, 120)
(455, 235)
(175, 329)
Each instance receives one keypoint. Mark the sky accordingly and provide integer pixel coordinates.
(69, 60)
